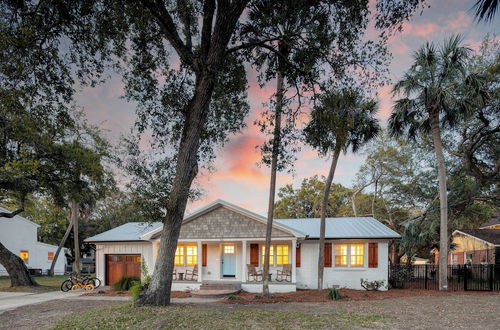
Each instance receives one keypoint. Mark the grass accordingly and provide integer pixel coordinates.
(204, 317)
(46, 284)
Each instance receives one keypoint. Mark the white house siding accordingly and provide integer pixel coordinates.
(145, 249)
(18, 234)
(343, 277)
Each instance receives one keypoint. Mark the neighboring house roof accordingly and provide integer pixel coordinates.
(17, 217)
(490, 236)
(352, 227)
(131, 231)
(491, 222)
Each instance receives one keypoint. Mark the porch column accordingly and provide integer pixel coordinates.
(200, 261)
(294, 262)
(243, 261)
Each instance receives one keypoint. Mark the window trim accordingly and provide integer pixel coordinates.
(349, 266)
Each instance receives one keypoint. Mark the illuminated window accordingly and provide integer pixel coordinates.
(191, 255)
(24, 255)
(341, 255)
(271, 255)
(357, 255)
(281, 255)
(179, 256)
(228, 249)
(50, 256)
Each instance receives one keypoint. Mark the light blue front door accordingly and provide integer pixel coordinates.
(228, 261)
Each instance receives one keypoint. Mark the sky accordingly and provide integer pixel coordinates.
(237, 177)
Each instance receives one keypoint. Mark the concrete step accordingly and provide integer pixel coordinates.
(213, 293)
(220, 286)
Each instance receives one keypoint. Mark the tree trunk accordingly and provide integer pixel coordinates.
(272, 184)
(324, 204)
(374, 198)
(74, 207)
(61, 244)
(16, 268)
(159, 289)
(443, 202)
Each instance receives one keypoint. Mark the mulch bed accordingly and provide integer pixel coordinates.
(347, 295)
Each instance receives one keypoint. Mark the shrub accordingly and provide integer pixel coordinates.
(125, 283)
(333, 294)
(372, 285)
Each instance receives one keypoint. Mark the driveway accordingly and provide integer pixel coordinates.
(11, 300)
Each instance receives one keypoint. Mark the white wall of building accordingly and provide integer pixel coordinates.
(343, 277)
(18, 234)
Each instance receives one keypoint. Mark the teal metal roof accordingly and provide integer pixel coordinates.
(131, 231)
(351, 227)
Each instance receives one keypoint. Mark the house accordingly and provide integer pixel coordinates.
(491, 223)
(20, 236)
(226, 241)
(475, 246)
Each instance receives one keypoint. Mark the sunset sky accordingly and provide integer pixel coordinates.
(237, 177)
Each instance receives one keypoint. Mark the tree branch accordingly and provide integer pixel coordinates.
(206, 30)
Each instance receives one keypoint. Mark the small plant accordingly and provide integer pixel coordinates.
(138, 286)
(333, 294)
(125, 283)
(233, 297)
(372, 285)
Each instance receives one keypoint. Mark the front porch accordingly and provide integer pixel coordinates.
(200, 262)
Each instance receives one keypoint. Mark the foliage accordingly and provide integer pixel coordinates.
(372, 285)
(139, 286)
(125, 283)
(333, 294)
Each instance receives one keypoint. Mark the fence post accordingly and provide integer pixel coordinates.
(425, 278)
(491, 276)
(465, 277)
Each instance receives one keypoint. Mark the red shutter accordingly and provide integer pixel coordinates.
(254, 255)
(204, 255)
(297, 256)
(328, 254)
(373, 255)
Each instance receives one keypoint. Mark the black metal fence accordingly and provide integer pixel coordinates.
(460, 277)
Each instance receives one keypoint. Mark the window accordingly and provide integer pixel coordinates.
(281, 255)
(228, 249)
(179, 256)
(271, 255)
(186, 256)
(50, 256)
(357, 255)
(191, 255)
(340, 255)
(24, 255)
(349, 255)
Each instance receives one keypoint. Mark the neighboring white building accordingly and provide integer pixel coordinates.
(19, 235)
(225, 240)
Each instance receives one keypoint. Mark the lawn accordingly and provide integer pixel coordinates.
(183, 316)
(46, 284)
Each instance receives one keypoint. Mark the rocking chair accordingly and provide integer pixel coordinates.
(285, 274)
(254, 274)
(192, 274)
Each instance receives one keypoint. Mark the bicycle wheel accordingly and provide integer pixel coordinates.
(66, 286)
(94, 281)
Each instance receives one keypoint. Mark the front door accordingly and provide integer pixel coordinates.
(229, 260)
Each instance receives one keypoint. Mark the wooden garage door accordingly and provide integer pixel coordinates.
(119, 265)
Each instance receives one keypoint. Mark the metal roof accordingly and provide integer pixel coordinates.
(131, 231)
(352, 227)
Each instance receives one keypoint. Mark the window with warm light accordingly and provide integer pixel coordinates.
(24, 255)
(357, 255)
(341, 255)
(271, 255)
(191, 255)
(281, 255)
(179, 256)
(228, 249)
(50, 256)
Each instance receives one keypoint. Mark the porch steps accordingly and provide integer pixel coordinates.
(216, 290)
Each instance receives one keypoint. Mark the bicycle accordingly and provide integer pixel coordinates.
(74, 282)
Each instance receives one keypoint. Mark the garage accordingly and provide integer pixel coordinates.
(120, 265)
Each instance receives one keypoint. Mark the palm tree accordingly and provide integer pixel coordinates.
(436, 92)
(485, 9)
(342, 121)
